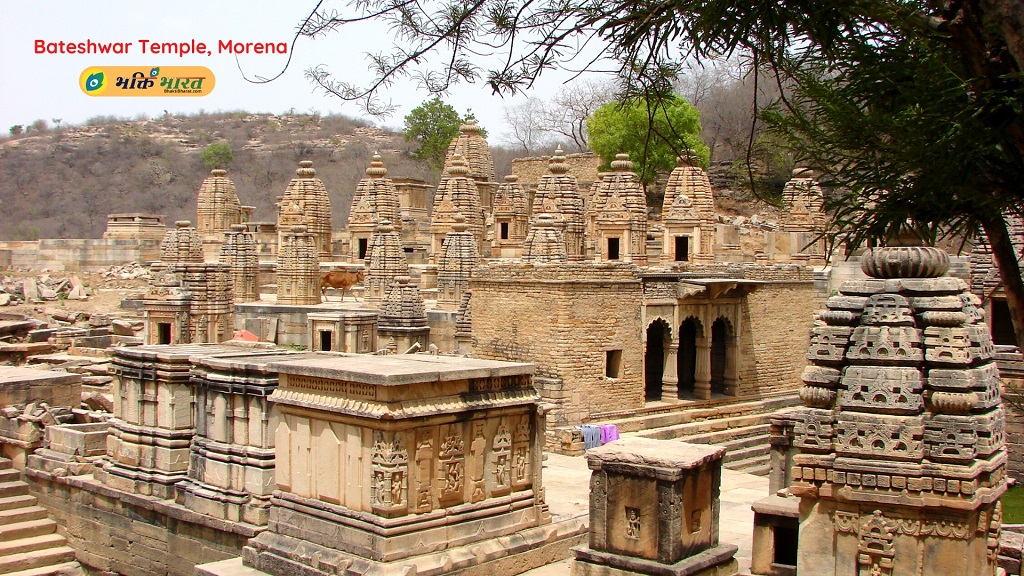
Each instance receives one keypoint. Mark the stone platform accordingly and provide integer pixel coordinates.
(566, 485)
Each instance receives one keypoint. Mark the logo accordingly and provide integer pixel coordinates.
(93, 81)
(147, 81)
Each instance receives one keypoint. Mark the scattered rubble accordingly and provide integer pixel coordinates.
(43, 287)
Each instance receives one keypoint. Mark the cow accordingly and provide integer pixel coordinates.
(344, 279)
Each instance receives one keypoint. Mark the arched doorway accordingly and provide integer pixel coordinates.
(686, 361)
(719, 355)
(658, 336)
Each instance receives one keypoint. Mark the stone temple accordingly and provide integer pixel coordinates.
(544, 375)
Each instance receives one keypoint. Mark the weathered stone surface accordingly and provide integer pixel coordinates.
(902, 474)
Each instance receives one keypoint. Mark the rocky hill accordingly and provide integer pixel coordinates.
(63, 183)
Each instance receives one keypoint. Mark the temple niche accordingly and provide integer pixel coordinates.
(558, 194)
(511, 219)
(305, 202)
(217, 210)
(375, 200)
(619, 215)
(688, 215)
(901, 451)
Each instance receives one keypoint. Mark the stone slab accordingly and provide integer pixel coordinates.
(399, 369)
(718, 561)
(648, 453)
(19, 385)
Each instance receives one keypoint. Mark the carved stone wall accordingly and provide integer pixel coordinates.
(238, 253)
(376, 463)
(298, 268)
(902, 441)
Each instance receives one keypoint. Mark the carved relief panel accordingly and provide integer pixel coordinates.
(389, 475)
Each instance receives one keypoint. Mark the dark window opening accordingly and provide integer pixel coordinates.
(504, 230)
(613, 364)
(363, 242)
(1002, 326)
(407, 249)
(682, 248)
(785, 544)
(326, 340)
(163, 333)
(613, 248)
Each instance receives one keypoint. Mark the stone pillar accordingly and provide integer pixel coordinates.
(654, 510)
(702, 374)
(780, 436)
(731, 363)
(670, 378)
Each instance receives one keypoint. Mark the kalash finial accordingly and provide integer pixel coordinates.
(905, 262)
(460, 223)
(470, 127)
(457, 167)
(376, 169)
(384, 227)
(305, 169)
(622, 163)
(557, 165)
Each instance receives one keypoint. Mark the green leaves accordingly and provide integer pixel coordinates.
(433, 125)
(217, 155)
(653, 132)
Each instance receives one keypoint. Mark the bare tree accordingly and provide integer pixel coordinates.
(572, 105)
(526, 121)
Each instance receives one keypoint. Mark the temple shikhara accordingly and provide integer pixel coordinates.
(545, 374)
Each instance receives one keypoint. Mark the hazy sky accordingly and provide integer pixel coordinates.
(34, 86)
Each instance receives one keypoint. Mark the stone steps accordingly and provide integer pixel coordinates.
(745, 437)
(38, 559)
(688, 412)
(23, 514)
(19, 501)
(29, 542)
(27, 529)
(32, 544)
(16, 488)
(63, 569)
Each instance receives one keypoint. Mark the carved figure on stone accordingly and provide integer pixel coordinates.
(476, 452)
(632, 523)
